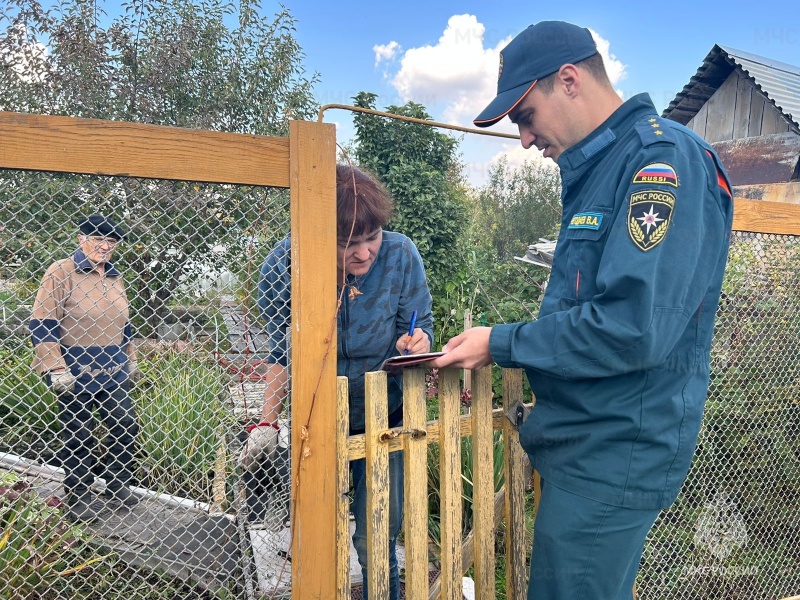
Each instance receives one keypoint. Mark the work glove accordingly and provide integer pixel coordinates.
(62, 382)
(134, 374)
(259, 448)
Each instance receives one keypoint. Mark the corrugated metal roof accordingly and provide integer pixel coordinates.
(779, 81)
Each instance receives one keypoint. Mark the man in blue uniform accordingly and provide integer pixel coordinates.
(619, 356)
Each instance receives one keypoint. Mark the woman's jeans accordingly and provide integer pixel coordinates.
(358, 471)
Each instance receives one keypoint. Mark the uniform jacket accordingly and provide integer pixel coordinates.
(369, 324)
(619, 356)
(80, 321)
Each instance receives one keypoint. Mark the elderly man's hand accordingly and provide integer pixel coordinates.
(134, 374)
(62, 382)
(469, 350)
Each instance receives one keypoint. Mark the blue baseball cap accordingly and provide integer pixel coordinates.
(539, 51)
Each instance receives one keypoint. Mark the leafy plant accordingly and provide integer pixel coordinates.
(25, 398)
(38, 548)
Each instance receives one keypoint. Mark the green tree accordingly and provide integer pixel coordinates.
(420, 167)
(167, 62)
(516, 207)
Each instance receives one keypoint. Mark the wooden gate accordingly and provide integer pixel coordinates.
(457, 553)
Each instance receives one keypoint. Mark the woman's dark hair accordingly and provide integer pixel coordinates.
(360, 197)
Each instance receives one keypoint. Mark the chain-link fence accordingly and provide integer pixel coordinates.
(734, 532)
(122, 485)
(190, 263)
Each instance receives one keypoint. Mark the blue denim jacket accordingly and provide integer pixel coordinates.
(369, 323)
(619, 356)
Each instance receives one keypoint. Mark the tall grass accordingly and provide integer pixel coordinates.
(181, 415)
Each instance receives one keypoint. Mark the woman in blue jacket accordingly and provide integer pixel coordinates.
(384, 285)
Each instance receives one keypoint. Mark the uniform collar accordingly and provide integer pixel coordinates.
(620, 121)
(84, 264)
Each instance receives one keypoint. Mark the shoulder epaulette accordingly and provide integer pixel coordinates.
(653, 130)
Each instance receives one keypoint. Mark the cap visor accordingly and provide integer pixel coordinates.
(503, 104)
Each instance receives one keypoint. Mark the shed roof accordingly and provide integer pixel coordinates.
(780, 82)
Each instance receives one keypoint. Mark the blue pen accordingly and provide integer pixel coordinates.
(411, 329)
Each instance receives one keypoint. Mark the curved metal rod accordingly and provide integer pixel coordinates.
(380, 113)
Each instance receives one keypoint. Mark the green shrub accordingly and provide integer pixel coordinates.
(25, 398)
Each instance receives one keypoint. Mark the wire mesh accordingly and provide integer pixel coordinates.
(734, 531)
(189, 266)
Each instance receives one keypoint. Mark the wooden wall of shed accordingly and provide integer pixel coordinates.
(737, 110)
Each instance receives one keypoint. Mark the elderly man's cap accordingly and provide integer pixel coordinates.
(102, 226)
(539, 51)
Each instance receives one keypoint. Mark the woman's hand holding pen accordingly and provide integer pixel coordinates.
(415, 344)
(415, 341)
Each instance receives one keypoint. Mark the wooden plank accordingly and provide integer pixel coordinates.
(97, 147)
(314, 487)
(483, 483)
(766, 217)
(415, 465)
(741, 115)
(355, 448)
(721, 108)
(376, 422)
(757, 103)
(343, 587)
(450, 483)
(786, 193)
(698, 122)
(773, 121)
(468, 547)
(515, 491)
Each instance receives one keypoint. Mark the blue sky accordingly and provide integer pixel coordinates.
(443, 54)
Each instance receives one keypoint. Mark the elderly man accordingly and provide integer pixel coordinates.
(82, 337)
(619, 355)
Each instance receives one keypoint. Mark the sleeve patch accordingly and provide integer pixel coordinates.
(657, 173)
(586, 220)
(649, 216)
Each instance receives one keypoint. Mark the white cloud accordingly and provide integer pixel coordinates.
(385, 51)
(457, 77)
(458, 72)
(615, 68)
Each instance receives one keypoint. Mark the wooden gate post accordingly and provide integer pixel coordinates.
(312, 164)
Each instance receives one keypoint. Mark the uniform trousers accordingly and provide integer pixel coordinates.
(585, 549)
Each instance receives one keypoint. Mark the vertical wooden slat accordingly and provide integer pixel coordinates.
(483, 483)
(376, 421)
(415, 463)
(515, 491)
(343, 487)
(741, 117)
(450, 482)
(312, 158)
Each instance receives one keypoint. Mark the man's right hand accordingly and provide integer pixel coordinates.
(62, 382)
(260, 446)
